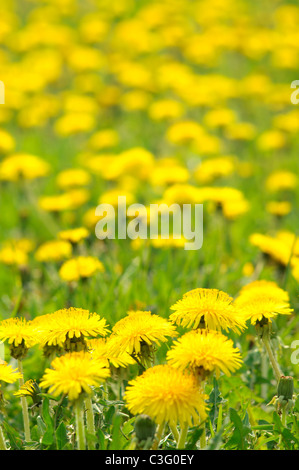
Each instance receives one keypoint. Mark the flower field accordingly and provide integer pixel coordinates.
(114, 335)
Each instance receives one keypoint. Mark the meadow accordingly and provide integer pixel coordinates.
(122, 344)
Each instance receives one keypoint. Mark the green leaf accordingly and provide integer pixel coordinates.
(61, 436)
(238, 438)
(215, 399)
(116, 433)
(48, 437)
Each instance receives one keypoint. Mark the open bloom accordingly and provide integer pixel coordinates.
(207, 308)
(20, 335)
(203, 352)
(139, 331)
(74, 374)
(166, 394)
(81, 267)
(8, 374)
(102, 350)
(23, 166)
(263, 300)
(69, 328)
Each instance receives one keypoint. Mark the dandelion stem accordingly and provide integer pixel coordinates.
(80, 424)
(174, 431)
(159, 433)
(2, 440)
(24, 405)
(90, 420)
(274, 363)
(203, 438)
(183, 434)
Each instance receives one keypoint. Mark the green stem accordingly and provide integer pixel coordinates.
(203, 438)
(90, 420)
(2, 440)
(174, 431)
(182, 439)
(264, 372)
(159, 433)
(24, 405)
(80, 430)
(274, 363)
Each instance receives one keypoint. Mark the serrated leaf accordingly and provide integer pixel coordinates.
(48, 437)
(61, 436)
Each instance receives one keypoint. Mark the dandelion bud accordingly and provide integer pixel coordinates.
(144, 428)
(285, 388)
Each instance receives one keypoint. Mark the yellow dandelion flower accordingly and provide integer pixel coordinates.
(8, 374)
(30, 389)
(69, 328)
(263, 300)
(204, 352)
(23, 166)
(184, 132)
(102, 350)
(7, 142)
(271, 140)
(279, 208)
(15, 252)
(167, 395)
(74, 374)
(74, 235)
(165, 109)
(273, 247)
(81, 267)
(73, 123)
(105, 138)
(20, 335)
(53, 250)
(207, 308)
(281, 180)
(214, 168)
(141, 330)
(13, 256)
(72, 177)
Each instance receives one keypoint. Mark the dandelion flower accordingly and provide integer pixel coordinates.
(102, 350)
(23, 166)
(20, 335)
(69, 328)
(203, 352)
(73, 374)
(30, 389)
(263, 300)
(81, 267)
(207, 308)
(8, 374)
(167, 395)
(53, 250)
(139, 332)
(74, 235)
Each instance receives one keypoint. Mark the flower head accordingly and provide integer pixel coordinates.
(81, 267)
(139, 332)
(263, 300)
(74, 235)
(166, 394)
(102, 350)
(74, 374)
(207, 308)
(69, 328)
(30, 389)
(20, 334)
(203, 352)
(8, 374)
(23, 166)
(53, 250)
